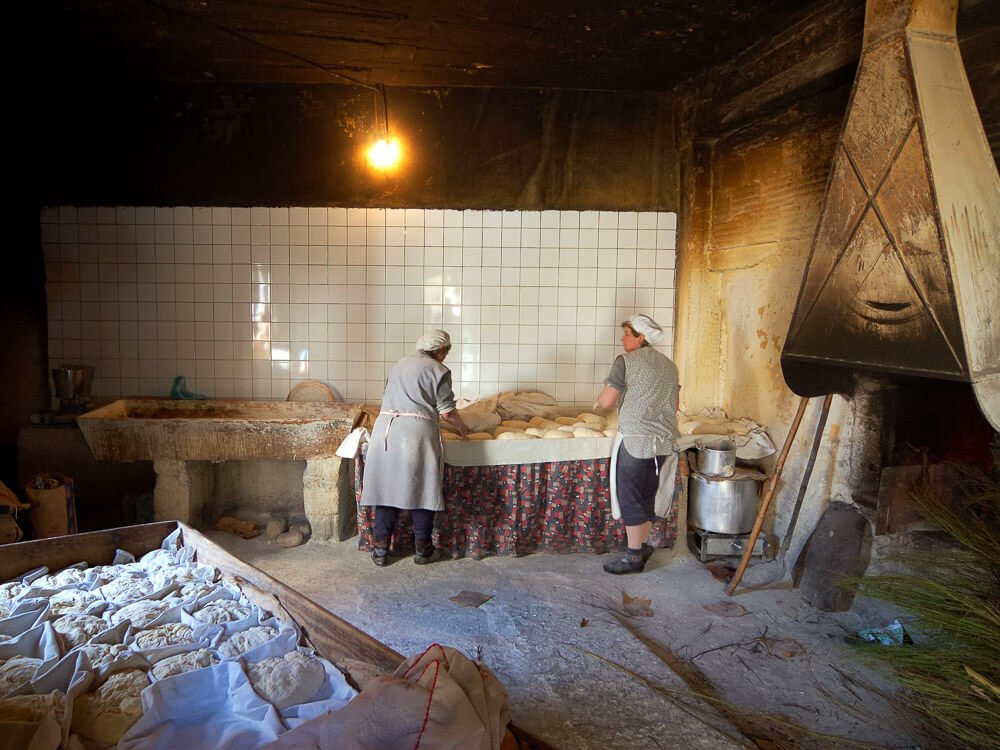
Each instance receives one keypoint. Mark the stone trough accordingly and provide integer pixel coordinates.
(183, 438)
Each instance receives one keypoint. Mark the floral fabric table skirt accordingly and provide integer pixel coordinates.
(516, 509)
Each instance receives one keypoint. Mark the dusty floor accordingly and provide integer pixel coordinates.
(546, 612)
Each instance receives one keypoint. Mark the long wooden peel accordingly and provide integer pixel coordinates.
(772, 485)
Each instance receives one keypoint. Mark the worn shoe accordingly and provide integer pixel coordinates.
(633, 561)
(427, 557)
(381, 560)
(647, 552)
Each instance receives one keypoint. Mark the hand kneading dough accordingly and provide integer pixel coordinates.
(16, 671)
(75, 630)
(583, 432)
(557, 435)
(106, 714)
(515, 436)
(222, 610)
(170, 634)
(141, 614)
(33, 708)
(186, 662)
(240, 643)
(287, 680)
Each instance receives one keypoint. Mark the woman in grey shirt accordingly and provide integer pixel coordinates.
(405, 462)
(643, 382)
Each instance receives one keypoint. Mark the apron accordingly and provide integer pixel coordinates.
(665, 489)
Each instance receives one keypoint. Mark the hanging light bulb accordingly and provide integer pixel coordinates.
(386, 152)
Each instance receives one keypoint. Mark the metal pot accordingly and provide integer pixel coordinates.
(723, 505)
(716, 457)
(72, 381)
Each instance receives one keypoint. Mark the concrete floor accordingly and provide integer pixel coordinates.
(546, 610)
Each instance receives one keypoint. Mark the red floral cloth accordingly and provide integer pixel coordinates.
(515, 509)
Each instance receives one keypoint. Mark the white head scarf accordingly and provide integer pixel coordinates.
(433, 340)
(645, 325)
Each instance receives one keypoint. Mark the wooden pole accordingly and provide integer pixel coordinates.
(771, 487)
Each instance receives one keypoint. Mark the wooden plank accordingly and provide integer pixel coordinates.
(95, 547)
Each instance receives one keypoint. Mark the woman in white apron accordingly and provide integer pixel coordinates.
(643, 382)
(405, 462)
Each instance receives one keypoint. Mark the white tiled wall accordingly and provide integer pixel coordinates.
(247, 302)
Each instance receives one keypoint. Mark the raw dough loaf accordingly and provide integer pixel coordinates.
(479, 436)
(583, 432)
(33, 708)
(450, 436)
(287, 680)
(102, 654)
(75, 630)
(515, 423)
(592, 420)
(126, 589)
(170, 634)
(141, 614)
(71, 602)
(191, 591)
(502, 430)
(535, 431)
(10, 590)
(565, 420)
(222, 610)
(16, 671)
(186, 662)
(516, 436)
(65, 577)
(106, 714)
(557, 435)
(240, 643)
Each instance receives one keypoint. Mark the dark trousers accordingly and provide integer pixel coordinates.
(636, 482)
(385, 524)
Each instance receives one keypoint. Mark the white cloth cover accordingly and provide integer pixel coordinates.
(664, 492)
(208, 709)
(350, 446)
(436, 700)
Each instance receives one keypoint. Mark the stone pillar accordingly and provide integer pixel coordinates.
(182, 489)
(321, 497)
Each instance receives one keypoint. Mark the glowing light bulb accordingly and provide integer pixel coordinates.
(385, 154)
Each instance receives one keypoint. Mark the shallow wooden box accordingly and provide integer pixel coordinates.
(359, 656)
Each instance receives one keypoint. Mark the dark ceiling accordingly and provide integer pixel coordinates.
(620, 45)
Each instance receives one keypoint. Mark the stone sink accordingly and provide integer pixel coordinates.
(183, 438)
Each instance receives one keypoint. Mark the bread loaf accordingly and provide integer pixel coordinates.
(583, 432)
(288, 680)
(592, 419)
(479, 436)
(105, 714)
(515, 423)
(515, 436)
(535, 431)
(558, 435)
(565, 420)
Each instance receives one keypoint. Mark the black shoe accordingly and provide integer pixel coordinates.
(380, 560)
(624, 565)
(647, 552)
(427, 557)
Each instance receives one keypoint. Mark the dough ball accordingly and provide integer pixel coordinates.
(105, 714)
(71, 602)
(102, 654)
(16, 671)
(170, 634)
(125, 589)
(240, 643)
(75, 630)
(288, 680)
(515, 436)
(141, 614)
(186, 662)
(33, 708)
(221, 611)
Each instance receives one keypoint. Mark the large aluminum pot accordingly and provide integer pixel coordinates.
(716, 457)
(72, 381)
(723, 505)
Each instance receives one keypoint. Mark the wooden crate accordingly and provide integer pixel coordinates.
(359, 656)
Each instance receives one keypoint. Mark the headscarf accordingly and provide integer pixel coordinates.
(433, 340)
(645, 325)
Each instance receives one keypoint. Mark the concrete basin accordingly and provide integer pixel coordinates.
(185, 438)
(165, 429)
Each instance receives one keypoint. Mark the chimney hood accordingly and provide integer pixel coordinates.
(903, 275)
